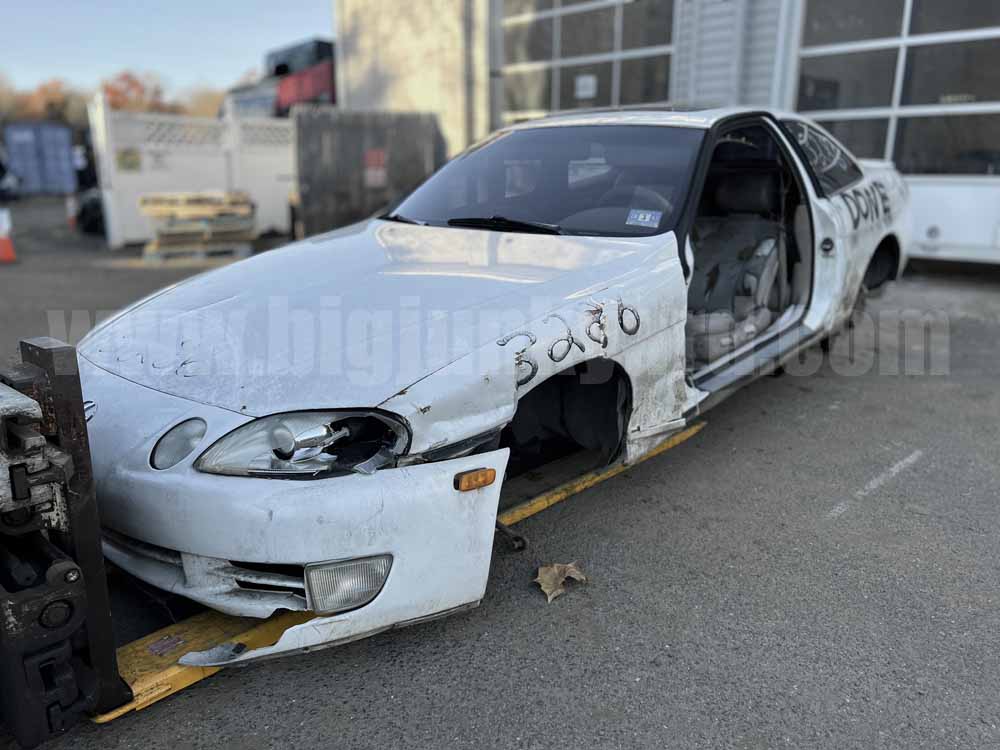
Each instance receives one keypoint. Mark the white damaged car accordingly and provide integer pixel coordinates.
(331, 427)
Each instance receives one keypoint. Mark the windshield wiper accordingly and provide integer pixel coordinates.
(502, 223)
(401, 219)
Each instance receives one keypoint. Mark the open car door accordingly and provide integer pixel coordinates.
(441, 542)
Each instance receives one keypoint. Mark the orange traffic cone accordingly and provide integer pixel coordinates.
(7, 254)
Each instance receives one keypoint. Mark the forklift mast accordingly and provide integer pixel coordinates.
(57, 650)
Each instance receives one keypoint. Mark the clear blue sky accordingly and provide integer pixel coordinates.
(186, 42)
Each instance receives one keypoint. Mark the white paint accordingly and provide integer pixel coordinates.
(889, 474)
(956, 218)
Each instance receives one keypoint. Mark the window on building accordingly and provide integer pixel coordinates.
(517, 7)
(847, 81)
(953, 73)
(528, 90)
(865, 138)
(939, 78)
(953, 144)
(590, 33)
(834, 168)
(647, 23)
(645, 79)
(835, 21)
(585, 86)
(929, 16)
(617, 43)
(528, 42)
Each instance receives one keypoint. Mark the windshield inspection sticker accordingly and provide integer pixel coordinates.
(639, 218)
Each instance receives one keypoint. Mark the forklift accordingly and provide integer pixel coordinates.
(58, 657)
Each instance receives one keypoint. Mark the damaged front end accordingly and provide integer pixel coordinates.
(420, 544)
(258, 516)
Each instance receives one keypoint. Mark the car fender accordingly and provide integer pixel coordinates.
(635, 320)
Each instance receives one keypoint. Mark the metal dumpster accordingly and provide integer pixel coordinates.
(353, 164)
(41, 155)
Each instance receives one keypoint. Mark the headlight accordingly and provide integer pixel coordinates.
(309, 444)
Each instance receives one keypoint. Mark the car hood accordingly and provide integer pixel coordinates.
(349, 318)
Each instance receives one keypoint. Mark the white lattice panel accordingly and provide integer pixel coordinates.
(149, 153)
(266, 133)
(160, 133)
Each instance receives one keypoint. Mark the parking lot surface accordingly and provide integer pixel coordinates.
(818, 567)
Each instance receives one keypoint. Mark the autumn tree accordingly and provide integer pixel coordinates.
(137, 93)
(250, 76)
(8, 99)
(203, 102)
(50, 100)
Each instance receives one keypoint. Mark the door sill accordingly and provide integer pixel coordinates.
(761, 359)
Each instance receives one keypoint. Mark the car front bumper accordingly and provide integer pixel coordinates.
(236, 544)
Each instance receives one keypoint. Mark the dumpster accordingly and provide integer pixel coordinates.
(354, 164)
(41, 155)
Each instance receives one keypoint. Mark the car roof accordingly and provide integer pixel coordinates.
(648, 115)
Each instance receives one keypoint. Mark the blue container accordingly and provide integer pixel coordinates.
(41, 155)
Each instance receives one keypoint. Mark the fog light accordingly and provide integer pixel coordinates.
(349, 584)
(178, 443)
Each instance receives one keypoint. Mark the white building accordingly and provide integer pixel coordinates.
(915, 81)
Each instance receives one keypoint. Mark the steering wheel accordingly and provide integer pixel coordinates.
(630, 195)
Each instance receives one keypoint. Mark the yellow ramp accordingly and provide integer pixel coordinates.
(149, 665)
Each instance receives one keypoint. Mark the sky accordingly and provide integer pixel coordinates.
(186, 42)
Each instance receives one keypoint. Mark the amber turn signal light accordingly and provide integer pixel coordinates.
(474, 479)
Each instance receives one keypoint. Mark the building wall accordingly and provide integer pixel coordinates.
(727, 51)
(917, 81)
(880, 74)
(419, 56)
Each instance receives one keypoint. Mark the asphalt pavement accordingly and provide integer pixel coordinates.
(818, 568)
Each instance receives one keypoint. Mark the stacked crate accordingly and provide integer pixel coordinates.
(199, 224)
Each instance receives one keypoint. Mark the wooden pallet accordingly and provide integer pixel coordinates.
(199, 226)
(157, 252)
(206, 204)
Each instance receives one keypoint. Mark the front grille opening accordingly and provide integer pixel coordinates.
(143, 549)
(247, 586)
(277, 578)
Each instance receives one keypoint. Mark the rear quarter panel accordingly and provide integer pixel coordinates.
(868, 212)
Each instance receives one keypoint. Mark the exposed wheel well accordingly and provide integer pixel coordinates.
(583, 409)
(884, 265)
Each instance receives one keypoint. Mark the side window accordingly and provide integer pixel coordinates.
(833, 166)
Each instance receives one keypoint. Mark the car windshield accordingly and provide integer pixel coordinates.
(621, 181)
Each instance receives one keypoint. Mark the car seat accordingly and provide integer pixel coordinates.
(740, 280)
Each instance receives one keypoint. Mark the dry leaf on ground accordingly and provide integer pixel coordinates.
(552, 577)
